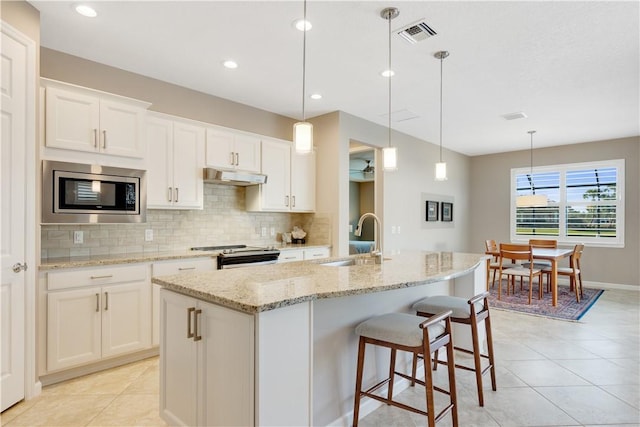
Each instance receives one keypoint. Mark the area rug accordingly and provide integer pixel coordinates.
(567, 308)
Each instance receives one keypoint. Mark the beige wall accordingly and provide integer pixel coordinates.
(23, 17)
(490, 187)
(399, 193)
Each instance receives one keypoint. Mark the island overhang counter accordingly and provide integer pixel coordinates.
(274, 345)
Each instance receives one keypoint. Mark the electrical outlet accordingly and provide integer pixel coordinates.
(393, 229)
(148, 235)
(398, 229)
(263, 232)
(78, 237)
(272, 232)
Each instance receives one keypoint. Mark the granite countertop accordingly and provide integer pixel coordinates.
(262, 288)
(132, 258)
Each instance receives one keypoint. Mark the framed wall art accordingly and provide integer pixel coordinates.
(432, 211)
(447, 211)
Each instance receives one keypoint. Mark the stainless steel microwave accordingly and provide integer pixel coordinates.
(75, 193)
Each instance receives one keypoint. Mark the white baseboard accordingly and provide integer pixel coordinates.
(610, 286)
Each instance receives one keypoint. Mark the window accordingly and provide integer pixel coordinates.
(585, 203)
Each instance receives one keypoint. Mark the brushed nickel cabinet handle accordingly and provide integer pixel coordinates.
(293, 201)
(237, 159)
(104, 139)
(177, 195)
(189, 332)
(195, 323)
(186, 268)
(170, 194)
(95, 138)
(108, 276)
(106, 301)
(97, 303)
(286, 201)
(231, 158)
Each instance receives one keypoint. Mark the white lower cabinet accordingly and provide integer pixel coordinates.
(88, 323)
(166, 268)
(206, 363)
(316, 253)
(290, 255)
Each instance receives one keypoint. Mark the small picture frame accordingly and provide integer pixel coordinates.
(447, 211)
(432, 210)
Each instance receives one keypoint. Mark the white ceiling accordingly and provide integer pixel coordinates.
(572, 67)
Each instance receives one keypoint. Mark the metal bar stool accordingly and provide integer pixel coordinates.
(468, 312)
(406, 332)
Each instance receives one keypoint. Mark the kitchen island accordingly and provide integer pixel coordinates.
(274, 345)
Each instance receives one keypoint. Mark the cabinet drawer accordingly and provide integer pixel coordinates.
(96, 276)
(316, 253)
(290, 256)
(183, 266)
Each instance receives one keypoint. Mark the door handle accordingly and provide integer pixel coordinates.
(18, 267)
(232, 158)
(95, 138)
(190, 310)
(170, 194)
(286, 201)
(97, 302)
(293, 201)
(104, 139)
(177, 194)
(237, 159)
(106, 301)
(195, 327)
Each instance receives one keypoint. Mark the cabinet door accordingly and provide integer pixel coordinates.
(178, 370)
(276, 164)
(316, 253)
(121, 129)
(159, 163)
(303, 182)
(126, 318)
(73, 328)
(188, 162)
(247, 149)
(72, 120)
(220, 149)
(226, 366)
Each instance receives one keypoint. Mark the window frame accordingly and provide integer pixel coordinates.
(562, 238)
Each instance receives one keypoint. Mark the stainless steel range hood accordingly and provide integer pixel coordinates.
(233, 177)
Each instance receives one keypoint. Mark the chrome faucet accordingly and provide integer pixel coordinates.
(376, 252)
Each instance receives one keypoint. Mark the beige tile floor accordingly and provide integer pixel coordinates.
(550, 373)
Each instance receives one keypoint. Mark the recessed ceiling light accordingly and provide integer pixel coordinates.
(85, 10)
(230, 64)
(388, 73)
(316, 96)
(302, 25)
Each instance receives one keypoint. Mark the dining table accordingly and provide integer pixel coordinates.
(553, 255)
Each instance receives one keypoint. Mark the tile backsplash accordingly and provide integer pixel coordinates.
(223, 221)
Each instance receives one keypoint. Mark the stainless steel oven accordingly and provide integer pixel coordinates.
(235, 256)
(81, 193)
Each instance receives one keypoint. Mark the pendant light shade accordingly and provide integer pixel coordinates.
(441, 171)
(531, 200)
(303, 137)
(303, 131)
(441, 167)
(389, 158)
(389, 153)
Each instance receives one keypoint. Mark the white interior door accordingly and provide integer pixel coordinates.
(12, 217)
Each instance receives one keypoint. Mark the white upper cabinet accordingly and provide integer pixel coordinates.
(84, 120)
(291, 180)
(175, 159)
(227, 149)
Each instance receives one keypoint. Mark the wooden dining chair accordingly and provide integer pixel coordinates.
(491, 248)
(541, 263)
(522, 253)
(573, 271)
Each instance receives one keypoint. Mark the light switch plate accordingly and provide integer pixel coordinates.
(263, 232)
(148, 235)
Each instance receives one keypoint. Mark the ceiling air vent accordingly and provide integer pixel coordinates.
(416, 32)
(514, 116)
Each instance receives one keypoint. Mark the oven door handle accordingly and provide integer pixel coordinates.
(246, 264)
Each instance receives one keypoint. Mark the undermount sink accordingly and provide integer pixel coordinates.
(340, 263)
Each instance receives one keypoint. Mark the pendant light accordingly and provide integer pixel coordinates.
(441, 167)
(389, 153)
(531, 200)
(303, 131)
